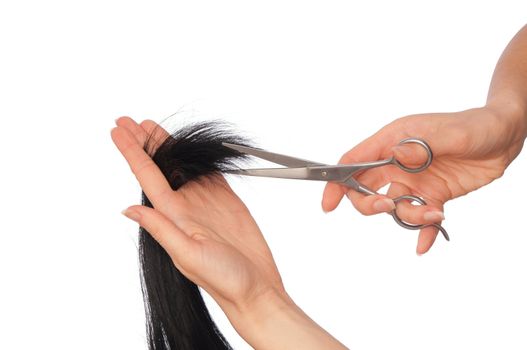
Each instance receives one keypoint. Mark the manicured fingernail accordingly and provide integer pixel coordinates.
(384, 205)
(434, 216)
(131, 214)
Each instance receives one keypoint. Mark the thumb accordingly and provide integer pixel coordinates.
(368, 150)
(176, 243)
(410, 155)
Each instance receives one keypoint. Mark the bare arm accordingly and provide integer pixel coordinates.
(481, 143)
(242, 277)
(214, 241)
(508, 89)
(509, 82)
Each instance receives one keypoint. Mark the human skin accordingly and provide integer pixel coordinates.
(213, 240)
(471, 149)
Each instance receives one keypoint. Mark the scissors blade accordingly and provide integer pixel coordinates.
(338, 173)
(272, 157)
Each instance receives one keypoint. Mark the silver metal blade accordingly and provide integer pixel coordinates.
(316, 173)
(272, 157)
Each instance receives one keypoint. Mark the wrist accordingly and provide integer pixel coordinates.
(260, 311)
(512, 113)
(274, 321)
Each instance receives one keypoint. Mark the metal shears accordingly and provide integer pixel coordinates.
(301, 169)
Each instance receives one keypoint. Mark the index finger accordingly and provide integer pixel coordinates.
(368, 150)
(150, 177)
(155, 134)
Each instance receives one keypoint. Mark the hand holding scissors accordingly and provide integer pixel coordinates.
(344, 174)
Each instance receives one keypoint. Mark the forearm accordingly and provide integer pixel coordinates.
(275, 322)
(508, 89)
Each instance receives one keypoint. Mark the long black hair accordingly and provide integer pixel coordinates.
(176, 315)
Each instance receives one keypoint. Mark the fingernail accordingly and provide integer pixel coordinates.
(418, 254)
(434, 216)
(384, 205)
(131, 214)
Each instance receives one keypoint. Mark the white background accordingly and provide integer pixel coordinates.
(310, 79)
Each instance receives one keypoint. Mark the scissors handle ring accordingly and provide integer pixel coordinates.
(409, 226)
(429, 154)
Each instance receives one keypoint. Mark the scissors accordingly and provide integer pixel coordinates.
(301, 169)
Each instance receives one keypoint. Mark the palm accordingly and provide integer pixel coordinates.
(228, 255)
(234, 257)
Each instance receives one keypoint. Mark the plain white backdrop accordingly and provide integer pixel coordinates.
(309, 79)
